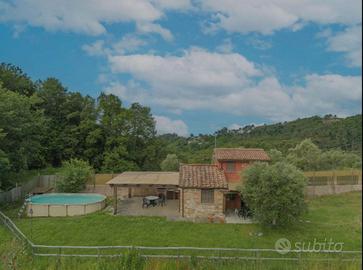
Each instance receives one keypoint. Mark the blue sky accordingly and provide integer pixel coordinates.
(200, 65)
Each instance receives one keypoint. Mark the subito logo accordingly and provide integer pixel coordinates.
(283, 246)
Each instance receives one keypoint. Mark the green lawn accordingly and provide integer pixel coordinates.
(336, 217)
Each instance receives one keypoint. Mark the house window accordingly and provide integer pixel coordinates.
(207, 196)
(231, 166)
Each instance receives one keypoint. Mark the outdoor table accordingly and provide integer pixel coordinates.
(152, 199)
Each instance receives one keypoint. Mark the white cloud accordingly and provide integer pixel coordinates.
(91, 16)
(166, 125)
(128, 43)
(147, 27)
(173, 4)
(268, 16)
(348, 42)
(333, 93)
(230, 83)
(96, 48)
(197, 70)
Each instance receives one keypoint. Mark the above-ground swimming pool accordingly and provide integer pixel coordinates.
(64, 204)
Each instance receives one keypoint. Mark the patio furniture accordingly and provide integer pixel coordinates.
(145, 203)
(161, 200)
(239, 212)
(244, 212)
(152, 200)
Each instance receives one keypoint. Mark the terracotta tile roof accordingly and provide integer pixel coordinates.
(201, 176)
(240, 154)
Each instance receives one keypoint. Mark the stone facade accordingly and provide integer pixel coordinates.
(194, 209)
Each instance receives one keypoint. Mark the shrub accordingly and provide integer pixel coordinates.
(275, 155)
(306, 156)
(274, 193)
(74, 175)
(170, 163)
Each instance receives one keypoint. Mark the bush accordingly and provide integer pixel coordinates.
(305, 156)
(274, 193)
(275, 155)
(170, 163)
(74, 175)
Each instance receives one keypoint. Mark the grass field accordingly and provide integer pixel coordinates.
(337, 218)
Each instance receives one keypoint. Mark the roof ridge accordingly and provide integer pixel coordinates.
(199, 164)
(237, 148)
(148, 172)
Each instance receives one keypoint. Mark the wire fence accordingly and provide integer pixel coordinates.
(182, 252)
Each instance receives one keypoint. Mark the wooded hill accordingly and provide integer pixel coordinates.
(328, 133)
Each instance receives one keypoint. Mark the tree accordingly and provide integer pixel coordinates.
(21, 126)
(141, 134)
(331, 160)
(116, 161)
(275, 155)
(274, 193)
(14, 79)
(53, 96)
(4, 170)
(351, 160)
(74, 175)
(338, 159)
(305, 156)
(170, 163)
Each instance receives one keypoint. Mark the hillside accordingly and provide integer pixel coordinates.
(328, 132)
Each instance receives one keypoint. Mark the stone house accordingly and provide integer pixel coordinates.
(203, 190)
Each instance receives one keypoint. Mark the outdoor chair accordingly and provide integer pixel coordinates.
(145, 203)
(239, 212)
(153, 203)
(161, 200)
(244, 212)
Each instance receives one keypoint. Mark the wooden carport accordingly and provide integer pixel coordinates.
(160, 180)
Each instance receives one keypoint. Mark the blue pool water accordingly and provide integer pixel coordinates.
(66, 198)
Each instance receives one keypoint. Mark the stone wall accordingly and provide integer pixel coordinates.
(194, 209)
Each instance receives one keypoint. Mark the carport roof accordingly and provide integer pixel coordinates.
(146, 178)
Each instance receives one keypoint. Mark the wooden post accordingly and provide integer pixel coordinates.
(335, 182)
(114, 199)
(182, 206)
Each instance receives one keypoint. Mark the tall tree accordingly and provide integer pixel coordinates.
(141, 133)
(21, 130)
(14, 79)
(113, 120)
(53, 96)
